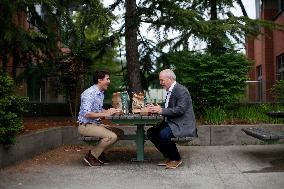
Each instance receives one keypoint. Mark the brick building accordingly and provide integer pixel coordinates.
(267, 51)
(38, 89)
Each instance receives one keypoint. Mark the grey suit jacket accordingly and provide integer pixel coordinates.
(180, 114)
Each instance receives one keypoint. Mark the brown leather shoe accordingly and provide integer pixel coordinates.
(163, 163)
(173, 164)
(91, 160)
(102, 159)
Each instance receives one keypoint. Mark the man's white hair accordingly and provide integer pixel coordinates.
(169, 74)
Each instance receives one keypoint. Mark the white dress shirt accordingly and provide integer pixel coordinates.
(169, 92)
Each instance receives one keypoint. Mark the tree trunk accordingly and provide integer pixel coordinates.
(213, 9)
(242, 7)
(215, 45)
(16, 59)
(4, 62)
(132, 57)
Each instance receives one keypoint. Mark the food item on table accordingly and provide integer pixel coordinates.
(120, 100)
(116, 100)
(138, 104)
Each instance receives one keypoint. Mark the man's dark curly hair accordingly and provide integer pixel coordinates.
(99, 75)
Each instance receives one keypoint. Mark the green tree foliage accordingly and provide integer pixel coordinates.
(211, 80)
(210, 22)
(11, 110)
(27, 43)
(107, 62)
(193, 22)
(84, 32)
(63, 40)
(203, 21)
(278, 91)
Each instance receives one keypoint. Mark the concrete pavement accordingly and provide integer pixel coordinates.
(208, 167)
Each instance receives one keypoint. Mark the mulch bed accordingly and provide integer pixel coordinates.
(33, 124)
(36, 124)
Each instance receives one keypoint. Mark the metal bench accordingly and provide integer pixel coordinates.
(275, 114)
(262, 134)
(266, 135)
(89, 138)
(92, 138)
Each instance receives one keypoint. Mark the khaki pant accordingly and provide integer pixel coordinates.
(109, 135)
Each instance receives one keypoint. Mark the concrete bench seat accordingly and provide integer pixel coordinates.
(182, 139)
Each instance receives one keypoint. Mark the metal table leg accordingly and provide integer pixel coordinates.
(140, 139)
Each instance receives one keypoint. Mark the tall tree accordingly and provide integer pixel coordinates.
(132, 56)
(84, 32)
(208, 22)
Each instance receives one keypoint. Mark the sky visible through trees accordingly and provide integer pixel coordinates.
(249, 6)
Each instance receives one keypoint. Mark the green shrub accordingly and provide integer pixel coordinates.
(213, 81)
(278, 91)
(215, 115)
(242, 114)
(252, 113)
(11, 110)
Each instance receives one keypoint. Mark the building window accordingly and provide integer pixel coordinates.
(31, 21)
(280, 5)
(259, 83)
(280, 67)
(36, 89)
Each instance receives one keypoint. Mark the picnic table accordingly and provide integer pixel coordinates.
(140, 122)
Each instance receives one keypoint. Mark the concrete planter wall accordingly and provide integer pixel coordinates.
(38, 142)
(28, 145)
(230, 134)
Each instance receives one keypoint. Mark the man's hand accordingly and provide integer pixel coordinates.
(155, 109)
(112, 111)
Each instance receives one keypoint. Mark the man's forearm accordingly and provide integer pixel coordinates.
(95, 115)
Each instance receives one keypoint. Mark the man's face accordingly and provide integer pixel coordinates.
(104, 83)
(165, 81)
